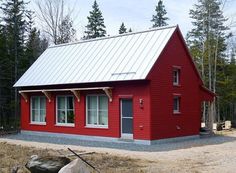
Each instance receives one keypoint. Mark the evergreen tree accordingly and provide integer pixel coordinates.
(122, 29)
(66, 31)
(159, 19)
(95, 27)
(5, 80)
(35, 46)
(130, 30)
(228, 98)
(207, 44)
(14, 18)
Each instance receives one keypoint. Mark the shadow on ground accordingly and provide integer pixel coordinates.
(184, 144)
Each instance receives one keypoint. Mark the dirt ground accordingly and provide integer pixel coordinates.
(219, 157)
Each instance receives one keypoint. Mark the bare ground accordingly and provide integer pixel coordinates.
(12, 155)
(208, 157)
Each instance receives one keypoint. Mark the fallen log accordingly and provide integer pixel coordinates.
(83, 160)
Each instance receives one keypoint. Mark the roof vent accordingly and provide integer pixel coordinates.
(124, 73)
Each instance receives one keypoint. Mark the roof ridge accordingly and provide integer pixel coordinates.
(114, 36)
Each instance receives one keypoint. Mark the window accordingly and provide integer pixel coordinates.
(65, 110)
(176, 105)
(38, 109)
(97, 111)
(176, 73)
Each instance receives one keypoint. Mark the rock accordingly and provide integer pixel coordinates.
(76, 166)
(49, 164)
(15, 169)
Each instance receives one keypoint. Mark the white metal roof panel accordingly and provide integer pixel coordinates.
(123, 57)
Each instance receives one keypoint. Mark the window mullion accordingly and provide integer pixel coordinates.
(31, 111)
(97, 111)
(38, 118)
(65, 109)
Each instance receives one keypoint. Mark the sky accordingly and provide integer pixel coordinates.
(136, 14)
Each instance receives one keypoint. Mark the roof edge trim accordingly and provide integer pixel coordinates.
(115, 36)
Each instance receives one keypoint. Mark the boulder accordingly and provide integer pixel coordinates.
(76, 166)
(48, 164)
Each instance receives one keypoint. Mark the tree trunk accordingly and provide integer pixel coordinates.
(210, 117)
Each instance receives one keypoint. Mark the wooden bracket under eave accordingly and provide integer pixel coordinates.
(77, 94)
(24, 95)
(47, 94)
(108, 92)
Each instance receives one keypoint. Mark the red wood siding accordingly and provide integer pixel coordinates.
(135, 90)
(165, 124)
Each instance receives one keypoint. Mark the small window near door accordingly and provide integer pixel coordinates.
(97, 111)
(176, 76)
(65, 110)
(176, 105)
(38, 110)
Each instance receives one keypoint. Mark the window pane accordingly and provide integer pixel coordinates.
(176, 104)
(65, 109)
(35, 102)
(70, 116)
(61, 102)
(61, 116)
(176, 76)
(103, 103)
(42, 103)
(34, 114)
(92, 102)
(103, 118)
(92, 117)
(70, 104)
(127, 125)
(127, 108)
(42, 115)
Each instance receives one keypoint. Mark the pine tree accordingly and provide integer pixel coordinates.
(66, 31)
(5, 80)
(35, 46)
(207, 43)
(95, 27)
(122, 29)
(14, 17)
(130, 30)
(159, 19)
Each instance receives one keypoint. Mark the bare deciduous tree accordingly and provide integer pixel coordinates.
(53, 16)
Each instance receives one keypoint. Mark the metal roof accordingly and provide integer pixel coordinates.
(123, 57)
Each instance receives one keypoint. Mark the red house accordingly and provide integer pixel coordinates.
(142, 86)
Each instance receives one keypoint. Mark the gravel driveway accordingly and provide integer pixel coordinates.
(214, 154)
(188, 143)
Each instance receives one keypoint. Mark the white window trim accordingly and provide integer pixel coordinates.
(177, 77)
(37, 123)
(94, 125)
(31, 102)
(178, 105)
(64, 124)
